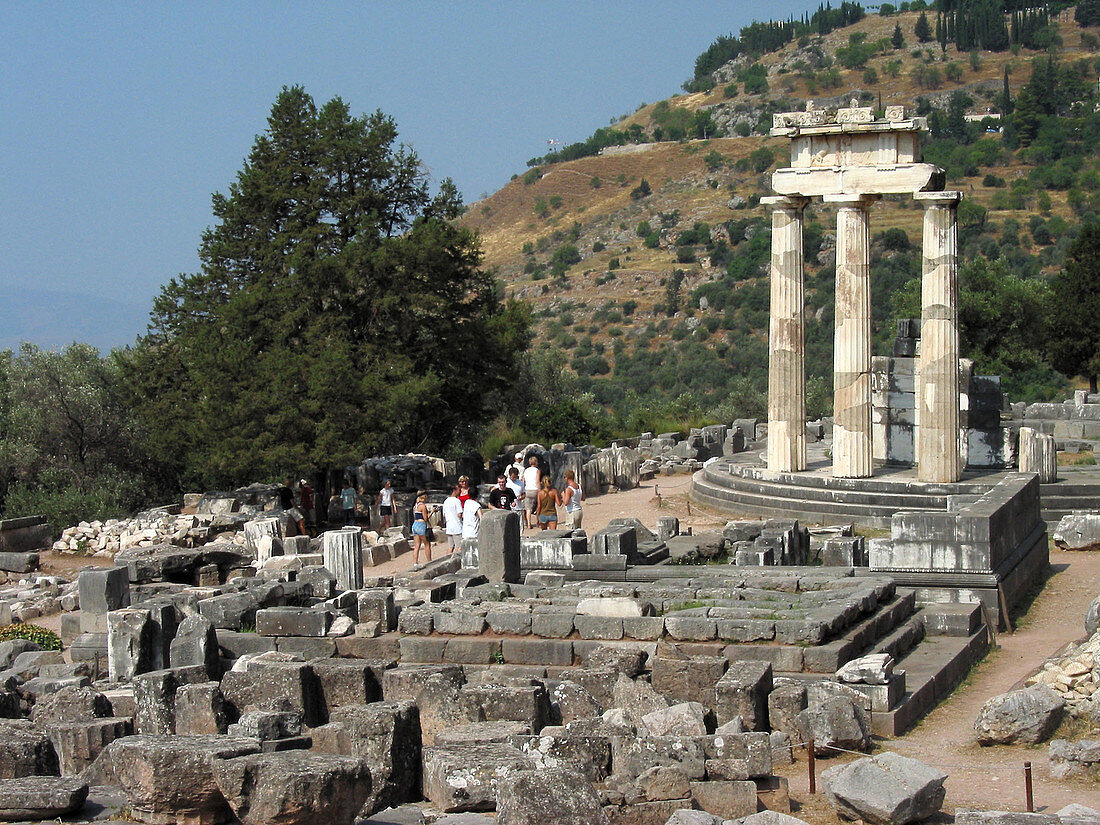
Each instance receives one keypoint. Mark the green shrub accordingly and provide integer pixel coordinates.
(730, 90)
(45, 639)
(531, 175)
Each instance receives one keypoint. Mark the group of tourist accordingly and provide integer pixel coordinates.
(523, 490)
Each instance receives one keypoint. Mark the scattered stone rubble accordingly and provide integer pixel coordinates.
(1074, 676)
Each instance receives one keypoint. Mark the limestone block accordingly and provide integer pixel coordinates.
(196, 643)
(384, 734)
(172, 776)
(1028, 716)
(685, 680)
(199, 710)
(590, 756)
(348, 682)
(268, 683)
(885, 789)
(529, 704)
(292, 621)
(294, 787)
(468, 777)
(681, 719)
(498, 546)
(155, 697)
(27, 751)
(836, 722)
(743, 692)
(103, 590)
(41, 797)
(530, 795)
(129, 643)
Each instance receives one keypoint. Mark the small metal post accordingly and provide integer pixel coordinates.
(1029, 796)
(811, 767)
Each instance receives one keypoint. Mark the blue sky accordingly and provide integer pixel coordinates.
(118, 121)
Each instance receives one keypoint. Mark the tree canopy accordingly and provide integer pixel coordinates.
(339, 311)
(1074, 309)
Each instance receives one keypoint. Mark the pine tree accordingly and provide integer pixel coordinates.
(1074, 309)
(336, 304)
(922, 30)
(898, 39)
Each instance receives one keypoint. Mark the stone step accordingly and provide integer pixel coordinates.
(933, 669)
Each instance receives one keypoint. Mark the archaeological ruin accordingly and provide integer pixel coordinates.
(218, 666)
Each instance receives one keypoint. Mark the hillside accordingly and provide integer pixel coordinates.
(598, 258)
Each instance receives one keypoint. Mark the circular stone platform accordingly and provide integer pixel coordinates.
(741, 485)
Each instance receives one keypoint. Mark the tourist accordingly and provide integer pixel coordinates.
(463, 488)
(517, 463)
(546, 506)
(452, 519)
(532, 480)
(420, 529)
(385, 505)
(471, 518)
(286, 504)
(515, 484)
(571, 497)
(501, 497)
(347, 502)
(308, 503)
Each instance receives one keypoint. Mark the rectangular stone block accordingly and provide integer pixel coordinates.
(784, 658)
(377, 605)
(498, 544)
(686, 680)
(599, 627)
(730, 799)
(292, 621)
(103, 590)
(348, 682)
(537, 651)
(643, 628)
(743, 691)
(552, 625)
(18, 562)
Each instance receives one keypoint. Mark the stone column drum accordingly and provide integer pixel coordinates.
(787, 339)
(343, 556)
(937, 447)
(852, 453)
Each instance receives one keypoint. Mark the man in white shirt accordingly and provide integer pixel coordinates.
(515, 484)
(517, 463)
(471, 516)
(452, 519)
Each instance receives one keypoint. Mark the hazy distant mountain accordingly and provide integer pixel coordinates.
(53, 319)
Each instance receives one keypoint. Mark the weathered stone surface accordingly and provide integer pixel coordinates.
(499, 703)
(887, 789)
(199, 709)
(633, 756)
(71, 704)
(155, 697)
(868, 670)
(743, 692)
(728, 799)
(26, 750)
(636, 699)
(626, 660)
(1079, 530)
(570, 700)
(129, 643)
(530, 797)
(77, 744)
(294, 787)
(40, 797)
(689, 816)
(482, 732)
(435, 689)
(348, 682)
(384, 734)
(837, 722)
(196, 643)
(466, 777)
(173, 775)
(771, 818)
(498, 543)
(685, 680)
(267, 683)
(103, 590)
(1075, 759)
(1009, 818)
(1028, 716)
(589, 756)
(682, 719)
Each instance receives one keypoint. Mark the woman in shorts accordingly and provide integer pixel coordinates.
(385, 505)
(546, 507)
(420, 529)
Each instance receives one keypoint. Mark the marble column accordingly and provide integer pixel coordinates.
(787, 339)
(938, 379)
(852, 455)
